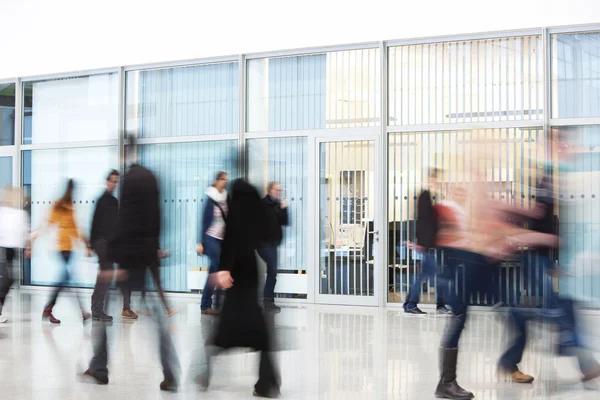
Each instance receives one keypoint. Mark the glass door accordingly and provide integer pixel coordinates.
(348, 222)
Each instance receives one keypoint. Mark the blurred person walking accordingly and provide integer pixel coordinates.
(426, 233)
(103, 230)
(242, 323)
(135, 247)
(214, 221)
(62, 216)
(558, 310)
(277, 218)
(14, 236)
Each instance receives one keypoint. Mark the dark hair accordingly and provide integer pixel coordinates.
(220, 175)
(113, 172)
(67, 197)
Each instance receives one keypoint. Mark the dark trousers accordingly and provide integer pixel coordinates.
(212, 248)
(428, 271)
(476, 274)
(101, 288)
(6, 279)
(270, 256)
(65, 278)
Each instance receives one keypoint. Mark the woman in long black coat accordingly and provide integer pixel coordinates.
(242, 323)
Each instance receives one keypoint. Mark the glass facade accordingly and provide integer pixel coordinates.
(45, 174)
(190, 101)
(576, 75)
(509, 163)
(7, 114)
(332, 90)
(468, 81)
(71, 110)
(315, 122)
(284, 160)
(184, 171)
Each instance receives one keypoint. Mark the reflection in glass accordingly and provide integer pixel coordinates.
(184, 171)
(469, 81)
(332, 90)
(509, 162)
(578, 165)
(186, 101)
(6, 171)
(284, 160)
(576, 75)
(45, 173)
(71, 110)
(347, 224)
(7, 114)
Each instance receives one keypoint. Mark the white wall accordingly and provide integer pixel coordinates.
(66, 35)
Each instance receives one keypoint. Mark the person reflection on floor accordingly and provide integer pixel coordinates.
(242, 323)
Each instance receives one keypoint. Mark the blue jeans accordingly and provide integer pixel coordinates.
(270, 257)
(212, 249)
(540, 265)
(477, 272)
(428, 270)
(569, 344)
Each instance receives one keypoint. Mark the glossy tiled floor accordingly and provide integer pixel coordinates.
(326, 352)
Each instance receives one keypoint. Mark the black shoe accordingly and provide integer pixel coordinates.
(271, 307)
(414, 311)
(448, 388)
(100, 380)
(101, 317)
(442, 310)
(168, 385)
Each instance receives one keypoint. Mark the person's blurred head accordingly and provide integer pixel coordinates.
(112, 180)
(274, 190)
(67, 197)
(11, 197)
(130, 152)
(220, 182)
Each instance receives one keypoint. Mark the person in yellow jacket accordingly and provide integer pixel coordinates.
(62, 216)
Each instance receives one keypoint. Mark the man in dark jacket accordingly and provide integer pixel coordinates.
(135, 247)
(103, 229)
(277, 215)
(426, 233)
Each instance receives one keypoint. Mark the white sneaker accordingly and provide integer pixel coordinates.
(3, 319)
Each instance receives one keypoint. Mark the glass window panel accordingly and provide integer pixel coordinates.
(6, 171)
(577, 156)
(469, 81)
(576, 75)
(284, 160)
(332, 90)
(509, 161)
(184, 171)
(45, 173)
(186, 101)
(71, 110)
(7, 114)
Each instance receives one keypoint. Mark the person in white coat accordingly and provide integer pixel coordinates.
(14, 236)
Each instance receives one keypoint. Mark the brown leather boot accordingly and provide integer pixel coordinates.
(48, 314)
